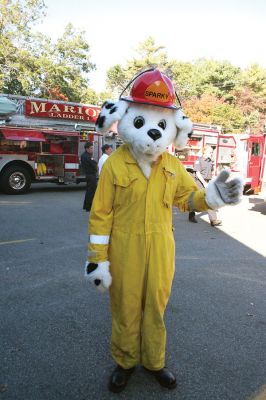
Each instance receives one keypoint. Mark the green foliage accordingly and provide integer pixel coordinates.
(16, 21)
(230, 118)
(254, 78)
(91, 97)
(215, 77)
(253, 107)
(103, 96)
(183, 79)
(64, 64)
(18, 16)
(31, 64)
(213, 110)
(116, 79)
(148, 55)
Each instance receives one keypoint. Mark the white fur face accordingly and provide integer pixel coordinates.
(149, 129)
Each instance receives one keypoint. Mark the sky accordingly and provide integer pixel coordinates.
(232, 30)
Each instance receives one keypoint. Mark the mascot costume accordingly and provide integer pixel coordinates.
(131, 246)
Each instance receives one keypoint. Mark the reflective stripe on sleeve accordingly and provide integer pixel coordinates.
(99, 239)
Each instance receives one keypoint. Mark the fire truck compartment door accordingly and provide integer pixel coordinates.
(20, 134)
(255, 147)
(226, 147)
(54, 164)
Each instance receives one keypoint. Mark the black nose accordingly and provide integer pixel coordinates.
(190, 134)
(154, 134)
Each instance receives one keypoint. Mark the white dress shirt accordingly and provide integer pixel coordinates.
(101, 161)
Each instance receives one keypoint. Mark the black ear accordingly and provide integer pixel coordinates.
(111, 112)
(108, 105)
(100, 121)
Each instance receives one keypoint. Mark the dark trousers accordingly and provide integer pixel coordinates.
(90, 191)
(212, 214)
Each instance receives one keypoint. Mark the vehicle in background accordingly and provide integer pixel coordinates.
(244, 154)
(42, 142)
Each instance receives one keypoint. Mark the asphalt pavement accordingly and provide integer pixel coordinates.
(55, 328)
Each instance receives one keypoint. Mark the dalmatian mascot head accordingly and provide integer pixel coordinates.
(149, 120)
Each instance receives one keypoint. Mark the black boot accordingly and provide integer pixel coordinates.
(119, 378)
(191, 217)
(165, 377)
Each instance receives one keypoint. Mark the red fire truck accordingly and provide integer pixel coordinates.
(244, 154)
(42, 140)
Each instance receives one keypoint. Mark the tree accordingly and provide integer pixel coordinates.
(56, 94)
(218, 78)
(212, 110)
(254, 78)
(183, 79)
(148, 55)
(18, 16)
(31, 64)
(65, 65)
(116, 80)
(253, 107)
(16, 20)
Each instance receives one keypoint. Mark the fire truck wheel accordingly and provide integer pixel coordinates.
(15, 180)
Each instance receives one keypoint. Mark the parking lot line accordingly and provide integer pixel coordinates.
(11, 203)
(17, 241)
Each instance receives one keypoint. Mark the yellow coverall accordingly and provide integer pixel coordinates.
(131, 226)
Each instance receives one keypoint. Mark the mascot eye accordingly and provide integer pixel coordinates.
(162, 124)
(139, 122)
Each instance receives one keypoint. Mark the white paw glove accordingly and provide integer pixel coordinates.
(222, 191)
(99, 274)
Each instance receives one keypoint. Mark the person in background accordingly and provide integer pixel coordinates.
(106, 150)
(90, 168)
(203, 169)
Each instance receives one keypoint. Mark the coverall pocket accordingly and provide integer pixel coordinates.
(126, 190)
(169, 190)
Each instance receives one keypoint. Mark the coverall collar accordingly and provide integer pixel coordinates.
(128, 156)
(162, 159)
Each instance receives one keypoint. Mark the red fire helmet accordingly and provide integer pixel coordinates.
(152, 87)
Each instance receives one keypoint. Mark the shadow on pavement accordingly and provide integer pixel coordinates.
(259, 205)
